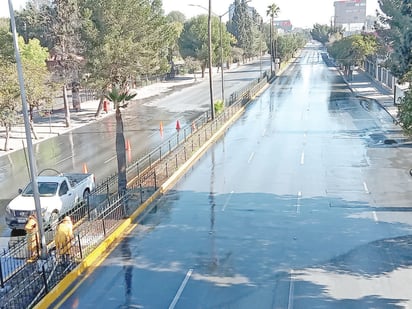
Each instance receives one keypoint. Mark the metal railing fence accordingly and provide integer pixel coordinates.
(24, 284)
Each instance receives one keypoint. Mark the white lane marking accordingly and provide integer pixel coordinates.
(251, 157)
(302, 158)
(62, 160)
(264, 132)
(110, 159)
(375, 216)
(291, 288)
(298, 202)
(227, 201)
(365, 187)
(181, 288)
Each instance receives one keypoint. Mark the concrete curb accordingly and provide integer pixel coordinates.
(98, 255)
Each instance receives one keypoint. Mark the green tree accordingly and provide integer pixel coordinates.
(123, 40)
(193, 41)
(67, 47)
(120, 99)
(9, 89)
(33, 22)
(176, 16)
(320, 33)
(241, 27)
(38, 86)
(289, 44)
(272, 11)
(9, 95)
(352, 50)
(40, 90)
(394, 28)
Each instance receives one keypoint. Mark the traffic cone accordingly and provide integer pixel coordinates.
(105, 106)
(128, 145)
(85, 168)
(177, 125)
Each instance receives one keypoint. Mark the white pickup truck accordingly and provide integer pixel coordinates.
(58, 194)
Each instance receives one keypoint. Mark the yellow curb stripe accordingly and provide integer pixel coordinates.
(98, 255)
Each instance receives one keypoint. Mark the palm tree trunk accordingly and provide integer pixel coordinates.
(121, 154)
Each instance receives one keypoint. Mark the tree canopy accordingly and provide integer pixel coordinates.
(394, 27)
(194, 40)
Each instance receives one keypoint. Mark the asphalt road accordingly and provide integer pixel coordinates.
(301, 204)
(94, 144)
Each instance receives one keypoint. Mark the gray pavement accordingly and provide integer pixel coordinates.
(362, 85)
(54, 124)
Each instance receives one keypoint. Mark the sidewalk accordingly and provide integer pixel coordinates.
(362, 85)
(54, 124)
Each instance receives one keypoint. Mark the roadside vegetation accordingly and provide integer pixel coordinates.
(100, 45)
(390, 45)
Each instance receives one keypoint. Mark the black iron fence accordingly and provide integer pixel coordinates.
(24, 284)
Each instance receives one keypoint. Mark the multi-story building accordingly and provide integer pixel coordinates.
(350, 14)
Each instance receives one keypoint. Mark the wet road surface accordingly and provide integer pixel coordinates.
(302, 204)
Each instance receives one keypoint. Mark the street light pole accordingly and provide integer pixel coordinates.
(32, 161)
(209, 34)
(271, 46)
(221, 59)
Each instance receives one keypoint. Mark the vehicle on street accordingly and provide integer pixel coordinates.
(58, 194)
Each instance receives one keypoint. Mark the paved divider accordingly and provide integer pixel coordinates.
(218, 126)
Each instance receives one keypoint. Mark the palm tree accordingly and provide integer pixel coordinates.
(272, 11)
(120, 99)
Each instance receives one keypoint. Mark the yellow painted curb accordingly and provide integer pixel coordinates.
(98, 255)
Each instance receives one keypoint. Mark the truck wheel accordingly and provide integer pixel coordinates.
(54, 220)
(86, 194)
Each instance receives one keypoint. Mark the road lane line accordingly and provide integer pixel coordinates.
(62, 160)
(227, 201)
(298, 202)
(375, 216)
(302, 158)
(110, 159)
(251, 157)
(365, 187)
(291, 289)
(264, 132)
(181, 288)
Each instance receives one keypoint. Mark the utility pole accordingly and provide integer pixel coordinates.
(209, 33)
(32, 162)
(221, 59)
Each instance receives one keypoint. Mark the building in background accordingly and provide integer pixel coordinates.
(351, 15)
(284, 25)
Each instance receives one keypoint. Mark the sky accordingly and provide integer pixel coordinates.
(302, 13)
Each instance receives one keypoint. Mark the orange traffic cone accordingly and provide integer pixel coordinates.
(85, 168)
(177, 125)
(128, 145)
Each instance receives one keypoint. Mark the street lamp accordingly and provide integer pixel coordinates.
(209, 34)
(221, 46)
(32, 161)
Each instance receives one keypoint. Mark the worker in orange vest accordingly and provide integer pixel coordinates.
(32, 237)
(63, 238)
(105, 105)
